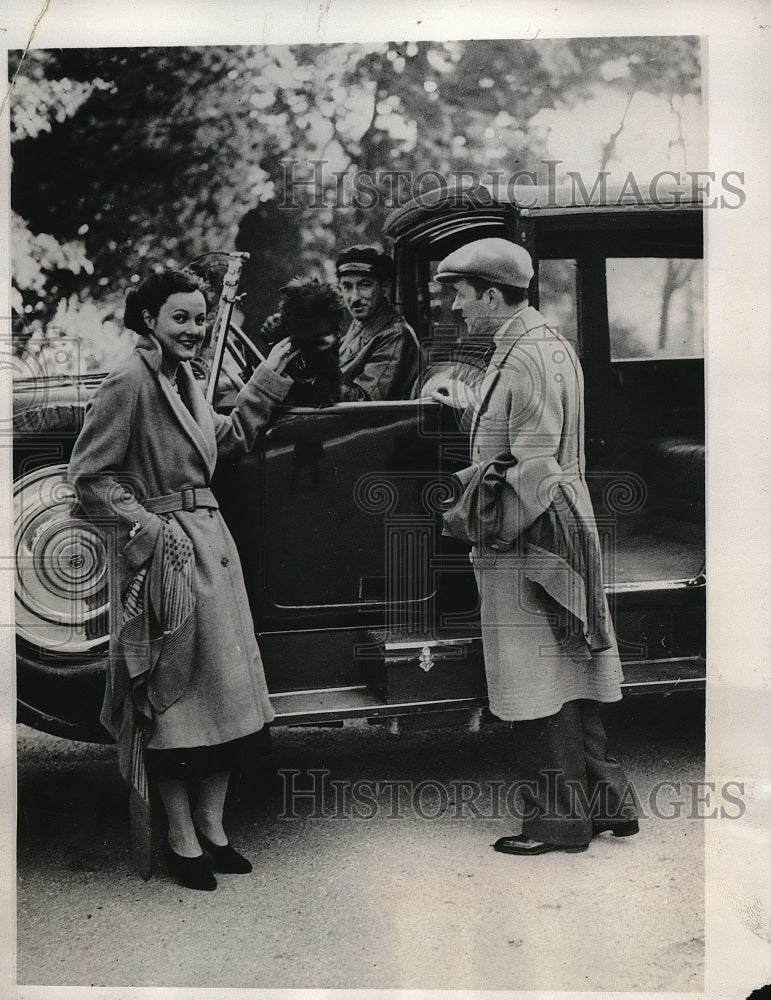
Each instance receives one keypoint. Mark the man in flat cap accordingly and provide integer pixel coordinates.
(379, 352)
(549, 646)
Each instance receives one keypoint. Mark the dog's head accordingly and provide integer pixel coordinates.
(311, 314)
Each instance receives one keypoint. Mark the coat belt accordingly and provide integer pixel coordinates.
(188, 498)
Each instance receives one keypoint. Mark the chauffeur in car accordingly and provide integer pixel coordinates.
(379, 353)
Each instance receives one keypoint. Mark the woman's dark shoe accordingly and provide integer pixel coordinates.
(224, 857)
(618, 827)
(525, 847)
(193, 873)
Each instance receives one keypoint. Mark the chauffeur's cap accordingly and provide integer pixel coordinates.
(364, 260)
(495, 260)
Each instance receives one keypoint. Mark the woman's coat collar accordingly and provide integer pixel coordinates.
(192, 423)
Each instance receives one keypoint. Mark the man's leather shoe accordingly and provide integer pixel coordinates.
(618, 827)
(524, 846)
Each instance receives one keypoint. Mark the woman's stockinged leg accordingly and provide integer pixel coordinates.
(175, 796)
(208, 820)
(210, 807)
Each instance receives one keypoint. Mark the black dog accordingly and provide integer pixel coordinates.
(310, 313)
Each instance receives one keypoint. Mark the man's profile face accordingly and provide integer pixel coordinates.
(362, 295)
(473, 308)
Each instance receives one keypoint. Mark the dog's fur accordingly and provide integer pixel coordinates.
(309, 311)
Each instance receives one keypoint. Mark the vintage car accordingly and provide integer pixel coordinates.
(363, 610)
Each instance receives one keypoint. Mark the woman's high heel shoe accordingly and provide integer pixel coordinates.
(193, 873)
(224, 857)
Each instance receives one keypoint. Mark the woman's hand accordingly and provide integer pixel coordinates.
(281, 355)
(453, 392)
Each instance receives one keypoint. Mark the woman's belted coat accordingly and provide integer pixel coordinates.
(143, 438)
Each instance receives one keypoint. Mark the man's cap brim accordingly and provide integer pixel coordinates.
(448, 277)
(356, 267)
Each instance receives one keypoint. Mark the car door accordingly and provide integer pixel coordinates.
(335, 514)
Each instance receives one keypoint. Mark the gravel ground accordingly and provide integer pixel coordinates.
(415, 900)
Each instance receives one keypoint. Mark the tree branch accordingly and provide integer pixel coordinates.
(610, 146)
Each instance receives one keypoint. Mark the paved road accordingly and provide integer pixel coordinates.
(364, 887)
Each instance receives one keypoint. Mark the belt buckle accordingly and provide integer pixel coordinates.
(188, 497)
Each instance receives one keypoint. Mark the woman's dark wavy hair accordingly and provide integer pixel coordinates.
(305, 301)
(153, 292)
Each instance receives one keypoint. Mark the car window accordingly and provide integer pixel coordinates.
(558, 297)
(655, 307)
(447, 327)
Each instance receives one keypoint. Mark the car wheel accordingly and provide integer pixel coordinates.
(62, 580)
(61, 584)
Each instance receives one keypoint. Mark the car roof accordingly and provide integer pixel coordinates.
(482, 203)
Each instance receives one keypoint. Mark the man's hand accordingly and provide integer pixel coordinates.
(453, 392)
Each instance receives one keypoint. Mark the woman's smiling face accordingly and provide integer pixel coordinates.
(180, 326)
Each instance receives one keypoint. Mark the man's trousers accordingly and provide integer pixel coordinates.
(567, 776)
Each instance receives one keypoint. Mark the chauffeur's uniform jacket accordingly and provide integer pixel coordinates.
(379, 358)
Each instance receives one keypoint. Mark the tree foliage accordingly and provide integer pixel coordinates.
(130, 159)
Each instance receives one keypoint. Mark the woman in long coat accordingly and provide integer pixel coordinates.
(185, 676)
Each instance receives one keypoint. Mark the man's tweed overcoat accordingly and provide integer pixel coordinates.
(531, 407)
